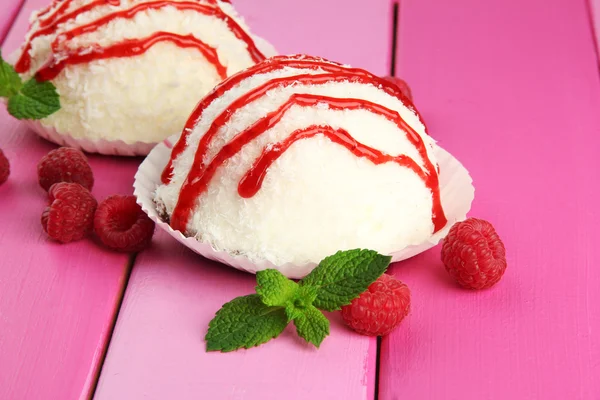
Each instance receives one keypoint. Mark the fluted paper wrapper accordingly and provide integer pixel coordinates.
(457, 193)
(107, 147)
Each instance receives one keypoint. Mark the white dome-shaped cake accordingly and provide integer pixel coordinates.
(296, 158)
(133, 70)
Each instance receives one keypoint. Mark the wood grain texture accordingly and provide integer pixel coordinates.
(157, 350)
(57, 302)
(512, 89)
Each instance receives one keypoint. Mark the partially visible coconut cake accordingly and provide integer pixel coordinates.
(298, 157)
(133, 70)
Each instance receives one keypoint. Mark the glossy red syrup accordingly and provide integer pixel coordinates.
(199, 177)
(60, 12)
(129, 48)
(62, 7)
(216, 12)
(275, 63)
(251, 183)
(49, 25)
(49, 7)
(401, 84)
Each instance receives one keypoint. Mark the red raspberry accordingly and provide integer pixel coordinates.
(70, 215)
(380, 309)
(404, 88)
(473, 254)
(4, 168)
(122, 225)
(65, 165)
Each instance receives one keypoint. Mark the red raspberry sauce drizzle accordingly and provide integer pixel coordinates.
(251, 183)
(53, 19)
(199, 177)
(273, 64)
(216, 12)
(129, 48)
(62, 6)
(24, 62)
(49, 25)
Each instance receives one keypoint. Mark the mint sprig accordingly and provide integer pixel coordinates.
(302, 300)
(244, 322)
(274, 288)
(252, 320)
(29, 100)
(312, 325)
(10, 81)
(343, 277)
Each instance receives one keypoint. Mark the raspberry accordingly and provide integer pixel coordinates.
(70, 215)
(380, 309)
(473, 254)
(404, 88)
(121, 224)
(65, 165)
(4, 168)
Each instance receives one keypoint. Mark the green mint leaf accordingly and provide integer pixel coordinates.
(344, 276)
(312, 326)
(274, 288)
(302, 300)
(36, 100)
(243, 323)
(10, 81)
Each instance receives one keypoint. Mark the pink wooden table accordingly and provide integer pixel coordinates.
(511, 87)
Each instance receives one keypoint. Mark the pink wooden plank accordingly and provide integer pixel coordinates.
(57, 302)
(157, 349)
(594, 9)
(353, 32)
(511, 87)
(11, 8)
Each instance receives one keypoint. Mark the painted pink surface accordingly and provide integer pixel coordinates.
(354, 32)
(57, 302)
(9, 13)
(517, 100)
(157, 350)
(594, 9)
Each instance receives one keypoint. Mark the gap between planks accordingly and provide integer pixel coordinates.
(131, 260)
(394, 38)
(119, 302)
(481, 341)
(393, 57)
(11, 22)
(176, 287)
(73, 339)
(594, 20)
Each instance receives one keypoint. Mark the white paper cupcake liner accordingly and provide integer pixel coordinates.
(107, 147)
(457, 193)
